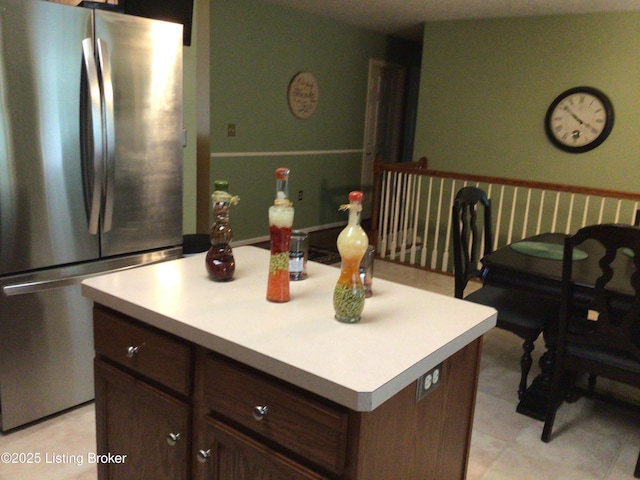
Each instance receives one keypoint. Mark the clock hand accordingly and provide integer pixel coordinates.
(574, 115)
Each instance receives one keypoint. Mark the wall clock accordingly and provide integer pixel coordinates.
(303, 95)
(579, 119)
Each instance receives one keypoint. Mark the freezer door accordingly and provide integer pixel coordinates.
(46, 354)
(43, 218)
(141, 66)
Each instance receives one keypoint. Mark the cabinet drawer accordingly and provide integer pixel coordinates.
(243, 458)
(297, 421)
(156, 355)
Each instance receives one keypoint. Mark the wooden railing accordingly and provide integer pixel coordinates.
(411, 218)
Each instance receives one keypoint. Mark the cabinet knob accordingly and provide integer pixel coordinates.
(173, 438)
(132, 351)
(259, 411)
(203, 455)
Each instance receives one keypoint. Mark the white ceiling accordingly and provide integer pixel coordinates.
(404, 18)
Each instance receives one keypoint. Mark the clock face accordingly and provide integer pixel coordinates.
(579, 119)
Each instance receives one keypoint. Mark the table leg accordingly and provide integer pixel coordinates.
(534, 401)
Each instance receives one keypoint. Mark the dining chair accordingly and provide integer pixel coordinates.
(609, 346)
(520, 313)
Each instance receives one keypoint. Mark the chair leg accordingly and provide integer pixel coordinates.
(592, 384)
(550, 416)
(525, 366)
(555, 399)
(636, 472)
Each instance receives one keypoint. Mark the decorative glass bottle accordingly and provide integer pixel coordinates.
(349, 292)
(219, 261)
(280, 223)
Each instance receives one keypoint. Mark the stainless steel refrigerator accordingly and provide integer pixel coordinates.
(90, 181)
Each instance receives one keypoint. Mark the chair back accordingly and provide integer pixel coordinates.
(615, 330)
(470, 232)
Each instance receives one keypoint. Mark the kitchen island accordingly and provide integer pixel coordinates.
(198, 379)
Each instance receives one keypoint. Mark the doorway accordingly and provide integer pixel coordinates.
(383, 122)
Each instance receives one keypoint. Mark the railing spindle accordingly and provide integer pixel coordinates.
(496, 235)
(600, 215)
(416, 212)
(586, 211)
(525, 220)
(513, 214)
(569, 214)
(445, 253)
(425, 248)
(434, 255)
(555, 212)
(540, 210)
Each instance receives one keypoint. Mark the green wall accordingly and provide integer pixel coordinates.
(255, 51)
(486, 85)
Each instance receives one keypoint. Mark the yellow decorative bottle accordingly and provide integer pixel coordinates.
(349, 292)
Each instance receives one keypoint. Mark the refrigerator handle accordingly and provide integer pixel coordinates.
(109, 122)
(35, 287)
(91, 135)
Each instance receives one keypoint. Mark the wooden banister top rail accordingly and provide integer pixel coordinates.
(421, 168)
(414, 167)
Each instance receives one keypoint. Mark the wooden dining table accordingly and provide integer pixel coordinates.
(534, 265)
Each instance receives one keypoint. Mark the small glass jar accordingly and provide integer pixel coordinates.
(298, 255)
(366, 270)
(349, 292)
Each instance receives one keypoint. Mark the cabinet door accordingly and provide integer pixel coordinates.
(226, 454)
(148, 426)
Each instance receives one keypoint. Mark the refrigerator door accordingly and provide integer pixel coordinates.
(46, 337)
(43, 217)
(46, 349)
(141, 69)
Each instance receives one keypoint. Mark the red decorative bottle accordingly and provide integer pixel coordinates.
(280, 223)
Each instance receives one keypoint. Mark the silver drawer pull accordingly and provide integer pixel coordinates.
(203, 455)
(259, 411)
(173, 438)
(133, 351)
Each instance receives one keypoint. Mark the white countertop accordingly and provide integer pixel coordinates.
(404, 331)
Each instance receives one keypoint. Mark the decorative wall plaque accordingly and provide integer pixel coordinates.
(303, 95)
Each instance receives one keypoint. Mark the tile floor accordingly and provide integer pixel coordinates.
(592, 442)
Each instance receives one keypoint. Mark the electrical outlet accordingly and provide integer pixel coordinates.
(231, 130)
(299, 194)
(428, 382)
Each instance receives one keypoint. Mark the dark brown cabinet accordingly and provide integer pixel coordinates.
(143, 382)
(148, 426)
(178, 411)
